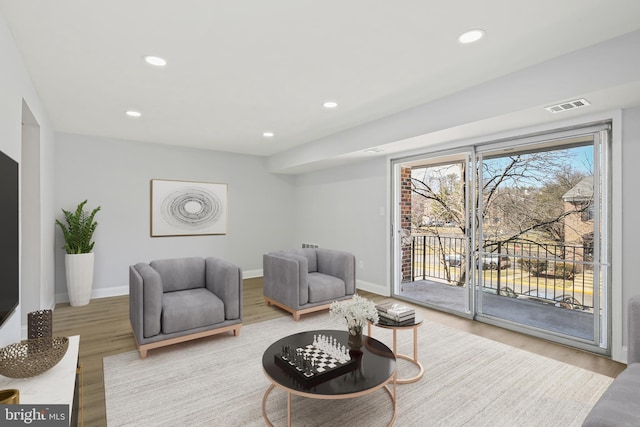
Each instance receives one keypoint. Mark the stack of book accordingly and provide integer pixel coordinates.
(394, 313)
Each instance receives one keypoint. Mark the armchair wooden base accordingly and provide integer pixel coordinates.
(296, 313)
(146, 347)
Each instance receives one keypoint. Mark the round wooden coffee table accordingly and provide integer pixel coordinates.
(417, 322)
(377, 371)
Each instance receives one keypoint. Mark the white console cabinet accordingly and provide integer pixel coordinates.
(59, 385)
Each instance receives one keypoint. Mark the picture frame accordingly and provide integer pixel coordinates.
(188, 208)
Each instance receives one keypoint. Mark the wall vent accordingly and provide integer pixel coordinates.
(568, 105)
(309, 245)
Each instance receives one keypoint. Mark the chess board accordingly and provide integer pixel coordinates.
(324, 369)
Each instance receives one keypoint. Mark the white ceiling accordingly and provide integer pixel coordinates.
(239, 68)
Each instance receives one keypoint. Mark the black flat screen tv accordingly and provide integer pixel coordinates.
(9, 235)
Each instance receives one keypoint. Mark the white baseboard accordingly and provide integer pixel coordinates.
(115, 291)
(124, 290)
(248, 274)
(251, 274)
(622, 356)
(373, 287)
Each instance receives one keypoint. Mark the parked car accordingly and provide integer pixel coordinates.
(453, 260)
(489, 261)
(495, 261)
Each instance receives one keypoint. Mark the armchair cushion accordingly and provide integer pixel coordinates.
(180, 273)
(338, 264)
(190, 309)
(323, 287)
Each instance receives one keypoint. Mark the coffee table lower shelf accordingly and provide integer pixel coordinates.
(392, 396)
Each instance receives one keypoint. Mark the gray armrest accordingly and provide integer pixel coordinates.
(135, 302)
(286, 278)
(338, 264)
(146, 287)
(224, 279)
(633, 350)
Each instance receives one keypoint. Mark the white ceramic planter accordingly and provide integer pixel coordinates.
(79, 268)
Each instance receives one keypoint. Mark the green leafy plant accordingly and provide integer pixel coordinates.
(79, 229)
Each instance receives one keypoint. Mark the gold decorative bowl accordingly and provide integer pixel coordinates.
(10, 396)
(32, 357)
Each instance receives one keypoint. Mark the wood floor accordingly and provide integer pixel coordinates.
(103, 326)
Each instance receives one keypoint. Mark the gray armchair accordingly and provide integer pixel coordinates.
(305, 280)
(175, 300)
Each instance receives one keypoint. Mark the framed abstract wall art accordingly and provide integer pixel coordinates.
(185, 208)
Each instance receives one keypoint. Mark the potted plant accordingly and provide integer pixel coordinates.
(78, 234)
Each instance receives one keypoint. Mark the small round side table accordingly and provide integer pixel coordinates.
(417, 322)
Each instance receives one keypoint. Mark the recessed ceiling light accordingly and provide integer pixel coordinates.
(374, 150)
(133, 113)
(268, 134)
(470, 36)
(155, 61)
(330, 104)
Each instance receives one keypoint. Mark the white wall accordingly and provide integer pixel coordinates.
(30, 256)
(116, 175)
(346, 208)
(16, 88)
(630, 228)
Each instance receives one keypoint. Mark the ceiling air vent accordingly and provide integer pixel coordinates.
(374, 150)
(568, 105)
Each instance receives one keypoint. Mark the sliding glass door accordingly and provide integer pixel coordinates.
(513, 233)
(541, 238)
(432, 233)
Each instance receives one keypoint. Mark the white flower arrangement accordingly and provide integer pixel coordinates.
(356, 312)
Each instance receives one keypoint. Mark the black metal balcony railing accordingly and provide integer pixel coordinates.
(558, 274)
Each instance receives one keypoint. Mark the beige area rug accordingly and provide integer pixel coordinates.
(468, 381)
